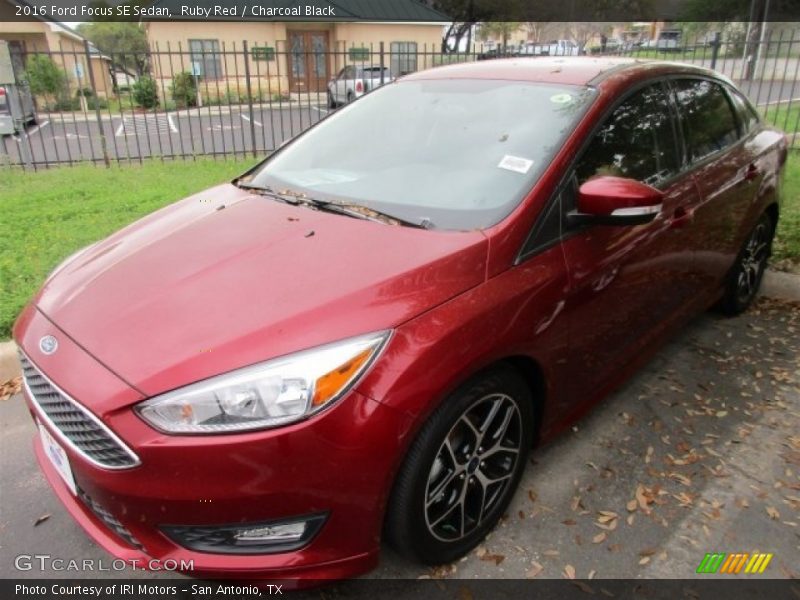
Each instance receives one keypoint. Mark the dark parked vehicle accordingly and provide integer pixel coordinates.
(357, 342)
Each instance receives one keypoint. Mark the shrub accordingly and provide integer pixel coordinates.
(44, 76)
(145, 92)
(184, 90)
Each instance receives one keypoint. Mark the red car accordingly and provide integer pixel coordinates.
(361, 338)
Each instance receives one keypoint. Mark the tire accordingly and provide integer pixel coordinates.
(331, 101)
(350, 97)
(452, 487)
(745, 277)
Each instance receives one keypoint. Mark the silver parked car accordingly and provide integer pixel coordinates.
(354, 81)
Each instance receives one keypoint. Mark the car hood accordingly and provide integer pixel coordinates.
(226, 278)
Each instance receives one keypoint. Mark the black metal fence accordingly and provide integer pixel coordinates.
(245, 100)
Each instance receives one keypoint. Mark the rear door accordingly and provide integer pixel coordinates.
(724, 169)
(628, 283)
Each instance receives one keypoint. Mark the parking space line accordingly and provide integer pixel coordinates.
(171, 123)
(120, 129)
(248, 120)
(44, 123)
(321, 110)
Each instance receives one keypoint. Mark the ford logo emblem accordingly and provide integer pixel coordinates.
(48, 344)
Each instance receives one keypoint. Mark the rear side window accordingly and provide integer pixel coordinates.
(636, 141)
(748, 117)
(709, 124)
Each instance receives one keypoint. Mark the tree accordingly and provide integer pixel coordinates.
(499, 29)
(184, 90)
(44, 77)
(125, 42)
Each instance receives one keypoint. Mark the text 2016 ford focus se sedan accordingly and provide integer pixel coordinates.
(357, 342)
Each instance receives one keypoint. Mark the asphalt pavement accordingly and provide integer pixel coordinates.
(700, 452)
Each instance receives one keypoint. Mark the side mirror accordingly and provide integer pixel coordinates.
(608, 200)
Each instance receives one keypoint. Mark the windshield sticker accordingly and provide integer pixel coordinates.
(561, 98)
(515, 163)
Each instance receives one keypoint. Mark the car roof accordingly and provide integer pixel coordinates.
(574, 70)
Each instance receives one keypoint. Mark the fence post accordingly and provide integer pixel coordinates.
(715, 46)
(96, 103)
(383, 60)
(249, 96)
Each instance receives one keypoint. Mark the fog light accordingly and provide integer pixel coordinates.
(276, 533)
(283, 535)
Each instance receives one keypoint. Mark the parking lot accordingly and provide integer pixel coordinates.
(212, 130)
(700, 452)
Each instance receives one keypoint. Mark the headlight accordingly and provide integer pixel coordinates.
(269, 394)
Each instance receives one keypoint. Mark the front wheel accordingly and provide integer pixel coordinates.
(748, 270)
(462, 470)
(331, 101)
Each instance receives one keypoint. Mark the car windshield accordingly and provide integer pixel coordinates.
(451, 154)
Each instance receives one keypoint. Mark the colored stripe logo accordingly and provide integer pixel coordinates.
(733, 564)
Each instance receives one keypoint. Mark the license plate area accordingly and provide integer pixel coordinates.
(58, 458)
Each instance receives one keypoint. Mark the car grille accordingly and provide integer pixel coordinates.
(86, 434)
(110, 520)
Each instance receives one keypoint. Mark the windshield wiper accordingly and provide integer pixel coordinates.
(356, 211)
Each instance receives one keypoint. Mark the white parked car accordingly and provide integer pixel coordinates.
(354, 81)
(554, 48)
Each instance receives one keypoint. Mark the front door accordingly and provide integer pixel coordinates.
(627, 283)
(308, 61)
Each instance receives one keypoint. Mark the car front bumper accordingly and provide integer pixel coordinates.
(339, 463)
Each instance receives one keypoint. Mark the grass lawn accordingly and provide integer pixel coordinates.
(48, 215)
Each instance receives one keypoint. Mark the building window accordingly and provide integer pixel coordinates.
(404, 58)
(206, 59)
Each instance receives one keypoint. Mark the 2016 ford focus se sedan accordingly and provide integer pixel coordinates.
(357, 342)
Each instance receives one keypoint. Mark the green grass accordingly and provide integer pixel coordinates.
(787, 241)
(48, 215)
(782, 116)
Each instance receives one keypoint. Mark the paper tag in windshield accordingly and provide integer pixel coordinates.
(515, 163)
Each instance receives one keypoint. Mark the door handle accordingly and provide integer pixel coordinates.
(681, 217)
(751, 173)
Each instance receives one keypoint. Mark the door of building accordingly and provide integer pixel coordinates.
(308, 61)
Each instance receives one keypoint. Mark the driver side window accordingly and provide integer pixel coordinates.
(636, 141)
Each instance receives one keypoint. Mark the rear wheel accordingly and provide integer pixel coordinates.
(331, 101)
(748, 271)
(350, 97)
(462, 470)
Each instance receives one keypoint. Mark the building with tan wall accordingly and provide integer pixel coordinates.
(285, 57)
(65, 47)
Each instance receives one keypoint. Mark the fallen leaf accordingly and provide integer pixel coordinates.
(41, 520)
(773, 513)
(583, 586)
(535, 569)
(632, 505)
(644, 560)
(599, 538)
(569, 572)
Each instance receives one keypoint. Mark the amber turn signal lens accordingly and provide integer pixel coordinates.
(332, 382)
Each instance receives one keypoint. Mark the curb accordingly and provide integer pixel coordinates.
(9, 363)
(780, 285)
(776, 284)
